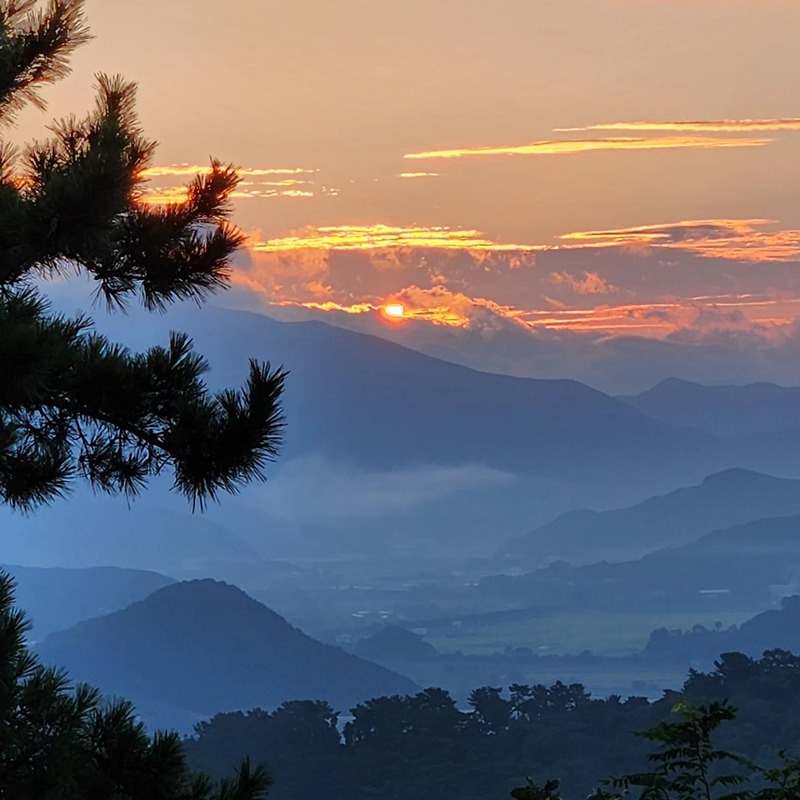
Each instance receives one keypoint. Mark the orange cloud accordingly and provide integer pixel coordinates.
(707, 126)
(736, 239)
(590, 283)
(354, 308)
(464, 279)
(691, 318)
(769, 318)
(437, 306)
(442, 306)
(379, 236)
(550, 148)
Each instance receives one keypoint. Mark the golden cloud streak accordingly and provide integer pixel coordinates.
(438, 315)
(168, 196)
(655, 320)
(374, 237)
(420, 175)
(355, 308)
(555, 148)
(708, 126)
(173, 195)
(188, 170)
(657, 233)
(285, 182)
(737, 239)
(660, 319)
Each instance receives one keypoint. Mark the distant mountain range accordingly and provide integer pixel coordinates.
(725, 411)
(614, 364)
(56, 598)
(740, 568)
(441, 459)
(434, 454)
(192, 649)
(722, 500)
(360, 398)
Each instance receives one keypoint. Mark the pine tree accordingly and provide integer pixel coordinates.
(74, 405)
(63, 743)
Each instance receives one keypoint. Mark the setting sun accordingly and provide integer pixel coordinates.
(394, 311)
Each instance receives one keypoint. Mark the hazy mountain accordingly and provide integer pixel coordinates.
(394, 644)
(432, 454)
(777, 535)
(729, 411)
(740, 568)
(55, 598)
(613, 364)
(721, 500)
(364, 399)
(195, 648)
(153, 533)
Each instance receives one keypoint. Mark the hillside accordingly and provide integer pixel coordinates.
(195, 648)
(722, 500)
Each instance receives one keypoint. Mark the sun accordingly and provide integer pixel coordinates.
(394, 311)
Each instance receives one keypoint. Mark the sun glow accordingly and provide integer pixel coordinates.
(394, 311)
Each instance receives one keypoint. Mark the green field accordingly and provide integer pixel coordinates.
(603, 634)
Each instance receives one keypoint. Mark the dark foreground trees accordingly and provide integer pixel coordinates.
(688, 765)
(72, 404)
(424, 747)
(75, 406)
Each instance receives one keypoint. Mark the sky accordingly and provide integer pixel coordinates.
(586, 168)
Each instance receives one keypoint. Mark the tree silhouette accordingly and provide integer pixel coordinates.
(62, 744)
(490, 709)
(72, 404)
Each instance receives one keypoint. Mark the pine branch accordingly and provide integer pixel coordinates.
(87, 408)
(35, 46)
(72, 405)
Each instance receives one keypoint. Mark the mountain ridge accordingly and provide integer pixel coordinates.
(720, 500)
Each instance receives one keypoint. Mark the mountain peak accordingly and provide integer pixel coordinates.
(195, 648)
(737, 477)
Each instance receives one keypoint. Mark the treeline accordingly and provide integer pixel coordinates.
(425, 747)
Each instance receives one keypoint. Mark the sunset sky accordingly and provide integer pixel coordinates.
(610, 166)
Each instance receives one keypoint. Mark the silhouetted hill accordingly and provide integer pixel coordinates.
(720, 501)
(55, 598)
(394, 644)
(195, 648)
(777, 536)
(730, 411)
(777, 628)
